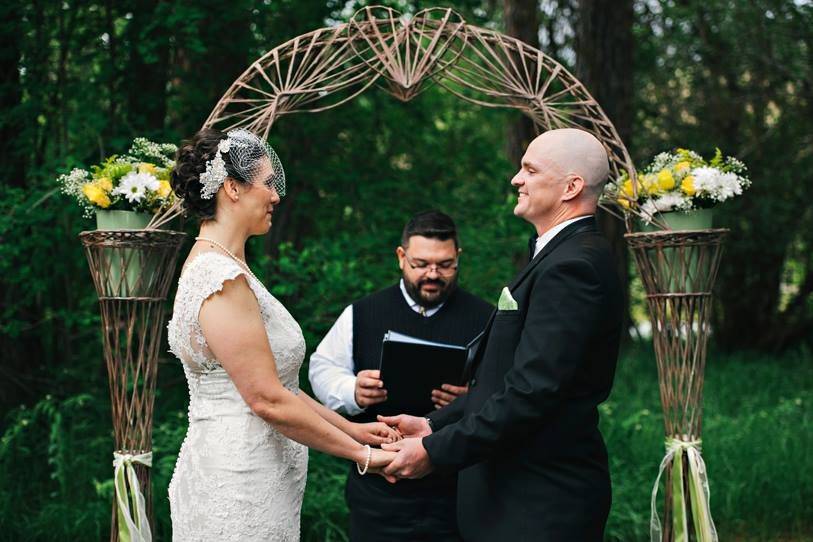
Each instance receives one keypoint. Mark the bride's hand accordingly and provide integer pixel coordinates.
(374, 433)
(380, 459)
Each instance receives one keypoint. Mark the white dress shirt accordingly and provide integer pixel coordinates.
(548, 236)
(331, 365)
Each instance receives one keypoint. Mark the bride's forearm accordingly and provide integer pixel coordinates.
(297, 420)
(334, 418)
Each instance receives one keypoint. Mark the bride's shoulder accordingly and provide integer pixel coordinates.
(207, 271)
(207, 261)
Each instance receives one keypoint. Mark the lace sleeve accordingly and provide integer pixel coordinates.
(203, 277)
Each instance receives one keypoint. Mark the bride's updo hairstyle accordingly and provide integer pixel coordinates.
(203, 162)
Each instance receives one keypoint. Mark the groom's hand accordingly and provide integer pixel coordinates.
(412, 460)
(447, 393)
(408, 426)
(373, 433)
(369, 388)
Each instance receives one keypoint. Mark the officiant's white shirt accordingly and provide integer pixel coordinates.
(546, 237)
(331, 365)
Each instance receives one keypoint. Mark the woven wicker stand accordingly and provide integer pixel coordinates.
(132, 307)
(678, 269)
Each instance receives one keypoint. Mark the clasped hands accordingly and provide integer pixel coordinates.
(402, 454)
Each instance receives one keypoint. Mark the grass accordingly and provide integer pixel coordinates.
(757, 430)
(55, 471)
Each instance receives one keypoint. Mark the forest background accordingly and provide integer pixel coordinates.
(79, 79)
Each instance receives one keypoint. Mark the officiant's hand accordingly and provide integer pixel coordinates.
(369, 388)
(412, 460)
(408, 426)
(374, 433)
(447, 394)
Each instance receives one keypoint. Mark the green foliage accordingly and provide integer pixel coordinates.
(112, 169)
(737, 75)
(41, 451)
(49, 318)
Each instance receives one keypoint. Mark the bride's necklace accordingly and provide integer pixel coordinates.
(242, 264)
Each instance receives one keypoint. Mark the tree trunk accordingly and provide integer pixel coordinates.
(203, 64)
(113, 78)
(521, 22)
(604, 57)
(147, 69)
(12, 153)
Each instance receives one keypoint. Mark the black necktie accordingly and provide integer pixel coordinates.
(532, 247)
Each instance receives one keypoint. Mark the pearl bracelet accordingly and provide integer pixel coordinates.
(366, 463)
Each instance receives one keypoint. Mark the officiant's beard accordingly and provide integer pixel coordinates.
(445, 288)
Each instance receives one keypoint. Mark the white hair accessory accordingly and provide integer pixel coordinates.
(215, 173)
(247, 152)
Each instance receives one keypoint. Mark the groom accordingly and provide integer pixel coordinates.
(533, 465)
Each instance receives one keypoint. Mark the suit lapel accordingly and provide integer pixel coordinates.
(468, 369)
(586, 224)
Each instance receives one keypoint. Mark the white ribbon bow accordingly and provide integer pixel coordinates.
(133, 523)
(698, 492)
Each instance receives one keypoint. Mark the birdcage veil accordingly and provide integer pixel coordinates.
(247, 153)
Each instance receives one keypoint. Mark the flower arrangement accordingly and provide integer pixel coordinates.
(137, 181)
(682, 181)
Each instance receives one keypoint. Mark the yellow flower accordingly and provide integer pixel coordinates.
(624, 202)
(626, 188)
(688, 186)
(680, 167)
(647, 184)
(665, 180)
(105, 184)
(96, 195)
(164, 189)
(147, 168)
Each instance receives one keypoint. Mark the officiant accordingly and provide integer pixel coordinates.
(426, 303)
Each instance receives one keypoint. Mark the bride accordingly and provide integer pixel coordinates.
(241, 470)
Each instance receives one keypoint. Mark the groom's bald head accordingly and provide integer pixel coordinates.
(574, 152)
(561, 177)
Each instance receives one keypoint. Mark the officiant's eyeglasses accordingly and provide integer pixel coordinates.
(443, 268)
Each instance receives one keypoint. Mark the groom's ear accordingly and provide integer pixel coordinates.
(575, 186)
(401, 254)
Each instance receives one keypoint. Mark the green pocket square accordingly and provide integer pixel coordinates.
(506, 302)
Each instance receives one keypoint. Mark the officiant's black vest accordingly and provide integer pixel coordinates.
(458, 321)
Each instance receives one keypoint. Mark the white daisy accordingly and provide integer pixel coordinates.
(670, 202)
(134, 186)
(716, 184)
(649, 209)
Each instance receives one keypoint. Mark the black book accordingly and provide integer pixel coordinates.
(411, 368)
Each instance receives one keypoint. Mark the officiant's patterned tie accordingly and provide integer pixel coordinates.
(422, 311)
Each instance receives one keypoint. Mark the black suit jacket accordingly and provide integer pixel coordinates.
(525, 438)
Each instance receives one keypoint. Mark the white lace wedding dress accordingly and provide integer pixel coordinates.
(236, 478)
